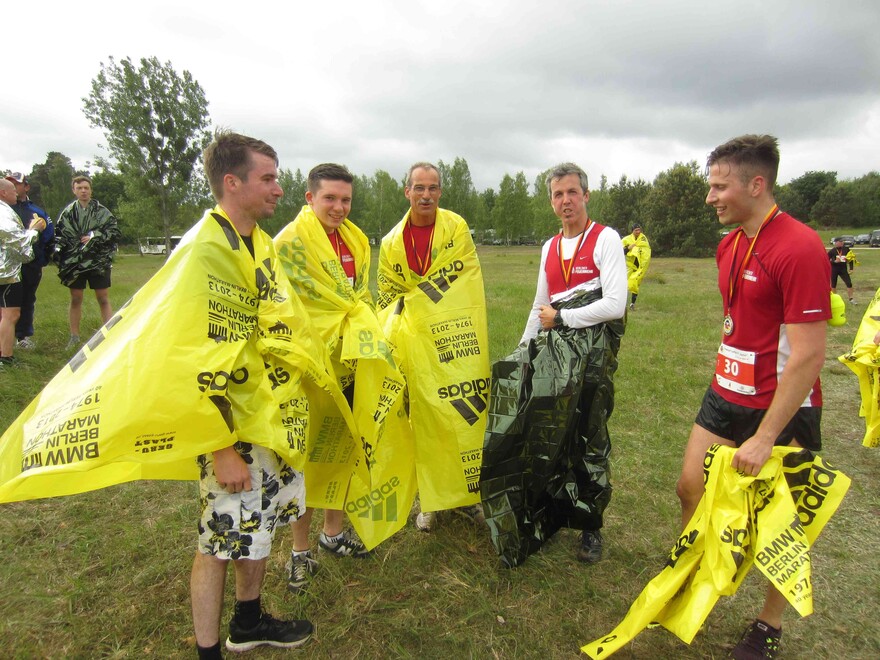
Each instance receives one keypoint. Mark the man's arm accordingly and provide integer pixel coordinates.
(807, 341)
(542, 300)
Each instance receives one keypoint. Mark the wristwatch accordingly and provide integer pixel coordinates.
(557, 320)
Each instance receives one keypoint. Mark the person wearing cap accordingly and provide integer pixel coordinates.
(842, 262)
(638, 256)
(32, 271)
(86, 238)
(16, 247)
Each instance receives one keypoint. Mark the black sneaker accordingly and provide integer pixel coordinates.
(268, 632)
(347, 545)
(301, 569)
(759, 641)
(591, 547)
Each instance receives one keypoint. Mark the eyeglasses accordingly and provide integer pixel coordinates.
(420, 190)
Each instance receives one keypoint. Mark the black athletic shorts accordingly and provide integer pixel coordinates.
(738, 423)
(11, 295)
(96, 279)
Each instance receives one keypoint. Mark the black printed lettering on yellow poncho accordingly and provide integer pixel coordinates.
(770, 520)
(436, 325)
(212, 350)
(379, 495)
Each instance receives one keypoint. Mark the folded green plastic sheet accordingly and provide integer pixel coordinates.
(545, 455)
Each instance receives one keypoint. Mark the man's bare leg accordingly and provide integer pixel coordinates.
(690, 486)
(103, 298)
(207, 584)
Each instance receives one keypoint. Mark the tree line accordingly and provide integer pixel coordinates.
(156, 123)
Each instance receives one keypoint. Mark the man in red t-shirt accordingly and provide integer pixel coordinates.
(774, 276)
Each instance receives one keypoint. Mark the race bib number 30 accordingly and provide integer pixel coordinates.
(735, 370)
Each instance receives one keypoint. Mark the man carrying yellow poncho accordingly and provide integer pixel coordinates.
(638, 256)
(209, 372)
(327, 260)
(431, 301)
(864, 359)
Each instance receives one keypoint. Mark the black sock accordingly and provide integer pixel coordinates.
(247, 613)
(209, 653)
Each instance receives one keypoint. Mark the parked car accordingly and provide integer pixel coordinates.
(848, 240)
(875, 238)
(863, 239)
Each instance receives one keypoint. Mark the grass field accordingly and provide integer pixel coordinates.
(105, 574)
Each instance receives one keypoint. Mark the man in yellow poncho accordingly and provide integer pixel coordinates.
(864, 360)
(638, 256)
(327, 260)
(431, 300)
(208, 373)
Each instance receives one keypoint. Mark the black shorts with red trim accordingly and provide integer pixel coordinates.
(738, 423)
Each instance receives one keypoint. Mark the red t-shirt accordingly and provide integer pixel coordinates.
(786, 280)
(346, 258)
(418, 247)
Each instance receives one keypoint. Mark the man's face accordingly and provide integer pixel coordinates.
(728, 194)
(423, 194)
(331, 203)
(82, 190)
(637, 232)
(21, 189)
(569, 200)
(258, 195)
(7, 192)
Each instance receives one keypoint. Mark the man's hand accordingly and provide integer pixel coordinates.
(751, 456)
(85, 239)
(547, 316)
(37, 223)
(231, 471)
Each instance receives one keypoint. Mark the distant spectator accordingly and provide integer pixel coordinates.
(87, 236)
(16, 247)
(32, 271)
(842, 262)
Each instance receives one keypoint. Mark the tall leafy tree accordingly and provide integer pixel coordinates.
(51, 183)
(808, 188)
(156, 124)
(866, 190)
(626, 200)
(545, 222)
(512, 216)
(837, 206)
(459, 193)
(679, 223)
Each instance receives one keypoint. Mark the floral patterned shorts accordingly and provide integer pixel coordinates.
(241, 525)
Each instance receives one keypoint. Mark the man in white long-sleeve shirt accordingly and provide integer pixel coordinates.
(545, 459)
(599, 260)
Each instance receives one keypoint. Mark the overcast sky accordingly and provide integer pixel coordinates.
(618, 87)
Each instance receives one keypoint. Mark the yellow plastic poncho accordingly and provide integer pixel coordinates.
(637, 260)
(864, 360)
(770, 520)
(436, 325)
(379, 495)
(212, 350)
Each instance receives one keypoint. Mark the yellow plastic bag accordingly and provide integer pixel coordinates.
(212, 350)
(864, 360)
(436, 326)
(379, 495)
(740, 520)
(637, 260)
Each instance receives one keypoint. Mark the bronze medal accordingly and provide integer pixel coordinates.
(727, 325)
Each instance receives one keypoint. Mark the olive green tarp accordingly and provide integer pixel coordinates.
(546, 449)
